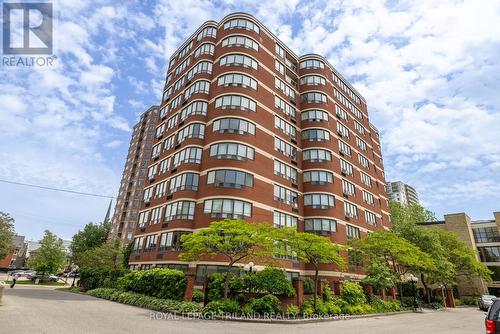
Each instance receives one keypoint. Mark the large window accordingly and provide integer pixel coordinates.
(317, 177)
(312, 80)
(182, 66)
(143, 218)
(241, 24)
(285, 171)
(363, 160)
(348, 188)
(315, 135)
(319, 201)
(351, 210)
(138, 243)
(366, 179)
(345, 167)
(370, 218)
(348, 104)
(233, 125)
(313, 97)
(150, 242)
(194, 130)
(235, 102)
(240, 41)
(346, 88)
(180, 210)
(286, 196)
(233, 151)
(486, 234)
(238, 60)
(207, 32)
(160, 189)
(361, 144)
(368, 198)
(342, 130)
(344, 148)
(189, 155)
(227, 208)
(314, 115)
(316, 155)
(287, 90)
(285, 127)
(203, 271)
(172, 240)
(352, 232)
(204, 49)
(311, 64)
(199, 87)
(155, 215)
(236, 79)
(201, 67)
(182, 182)
(185, 50)
(284, 220)
(227, 178)
(288, 109)
(285, 148)
(320, 225)
(195, 108)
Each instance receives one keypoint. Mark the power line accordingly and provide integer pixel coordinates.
(56, 189)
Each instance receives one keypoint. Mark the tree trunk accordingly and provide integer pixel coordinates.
(316, 272)
(226, 280)
(426, 289)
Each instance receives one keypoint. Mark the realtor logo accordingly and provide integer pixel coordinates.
(27, 28)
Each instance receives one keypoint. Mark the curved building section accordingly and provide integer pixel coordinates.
(247, 129)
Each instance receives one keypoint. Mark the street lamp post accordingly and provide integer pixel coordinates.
(413, 280)
(252, 269)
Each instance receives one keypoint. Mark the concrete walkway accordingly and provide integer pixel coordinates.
(45, 310)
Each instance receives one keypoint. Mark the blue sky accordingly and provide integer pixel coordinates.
(429, 70)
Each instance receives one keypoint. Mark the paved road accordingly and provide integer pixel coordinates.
(45, 310)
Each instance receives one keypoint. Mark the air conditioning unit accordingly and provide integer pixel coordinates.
(350, 215)
(345, 171)
(151, 178)
(147, 201)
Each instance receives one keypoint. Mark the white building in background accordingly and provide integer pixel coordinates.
(401, 192)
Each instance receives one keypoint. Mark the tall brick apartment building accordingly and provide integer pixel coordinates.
(250, 130)
(134, 177)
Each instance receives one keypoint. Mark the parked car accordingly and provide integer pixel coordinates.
(492, 321)
(485, 302)
(41, 277)
(72, 274)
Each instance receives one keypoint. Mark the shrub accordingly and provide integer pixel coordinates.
(308, 285)
(469, 300)
(458, 302)
(381, 306)
(353, 293)
(136, 299)
(437, 299)
(220, 307)
(293, 310)
(265, 304)
(216, 286)
(198, 296)
(327, 291)
(273, 281)
(358, 309)
(436, 305)
(407, 301)
(92, 278)
(333, 308)
(160, 283)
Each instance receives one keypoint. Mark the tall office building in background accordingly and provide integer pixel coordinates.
(402, 193)
(134, 177)
(247, 129)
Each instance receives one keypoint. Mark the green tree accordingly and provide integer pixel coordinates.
(50, 257)
(127, 250)
(234, 239)
(92, 235)
(310, 248)
(6, 234)
(379, 275)
(108, 256)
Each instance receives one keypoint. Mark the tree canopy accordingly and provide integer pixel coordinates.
(51, 255)
(92, 235)
(6, 234)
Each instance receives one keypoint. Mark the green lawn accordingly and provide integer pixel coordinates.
(33, 283)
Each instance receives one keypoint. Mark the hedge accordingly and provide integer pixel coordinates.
(92, 278)
(160, 283)
(152, 303)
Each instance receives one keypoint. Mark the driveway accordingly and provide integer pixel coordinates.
(45, 310)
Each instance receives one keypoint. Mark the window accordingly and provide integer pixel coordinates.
(189, 155)
(155, 152)
(164, 111)
(314, 115)
(235, 102)
(232, 151)
(279, 67)
(176, 266)
(226, 178)
(160, 130)
(177, 101)
(370, 218)
(201, 67)
(320, 225)
(179, 83)
(316, 155)
(366, 179)
(285, 107)
(143, 218)
(287, 90)
(341, 113)
(152, 171)
(185, 50)
(311, 64)
(195, 108)
(243, 41)
(348, 188)
(181, 210)
(204, 49)
(185, 181)
(360, 128)
(348, 104)
(342, 130)
(318, 177)
(169, 143)
(312, 80)
(285, 148)
(172, 121)
(204, 271)
(315, 135)
(286, 196)
(319, 201)
(138, 242)
(284, 220)
(351, 210)
(363, 160)
(313, 97)
(207, 32)
(242, 24)
(155, 215)
(238, 60)
(234, 79)
(361, 143)
(489, 254)
(486, 234)
(164, 165)
(233, 125)
(345, 167)
(199, 87)
(344, 148)
(345, 88)
(285, 127)
(368, 198)
(172, 240)
(285, 171)
(280, 51)
(148, 193)
(194, 130)
(150, 242)
(182, 66)
(160, 189)
(352, 232)
(227, 208)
